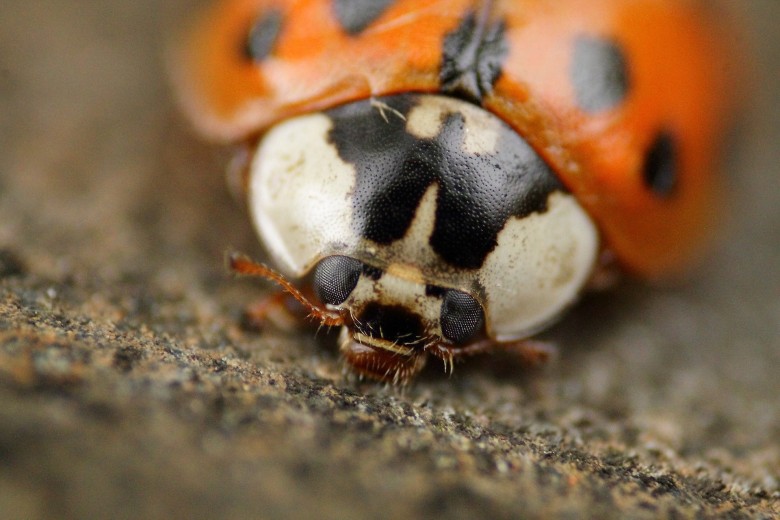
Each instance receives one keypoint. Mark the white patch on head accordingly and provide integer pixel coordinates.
(540, 265)
(481, 128)
(299, 194)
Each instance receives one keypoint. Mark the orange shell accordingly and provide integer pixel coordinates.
(678, 83)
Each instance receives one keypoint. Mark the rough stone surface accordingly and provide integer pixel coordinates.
(128, 388)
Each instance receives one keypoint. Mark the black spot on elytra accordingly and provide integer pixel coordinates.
(355, 15)
(263, 35)
(599, 73)
(661, 168)
(477, 193)
(473, 56)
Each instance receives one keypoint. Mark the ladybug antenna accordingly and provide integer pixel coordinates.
(242, 265)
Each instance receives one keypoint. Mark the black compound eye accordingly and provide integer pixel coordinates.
(660, 170)
(461, 316)
(335, 278)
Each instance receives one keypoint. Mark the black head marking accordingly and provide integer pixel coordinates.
(599, 73)
(477, 193)
(355, 15)
(473, 56)
(661, 168)
(263, 35)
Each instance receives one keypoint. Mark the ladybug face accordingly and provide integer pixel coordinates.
(427, 220)
(394, 318)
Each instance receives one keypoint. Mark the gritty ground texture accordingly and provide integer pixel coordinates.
(128, 388)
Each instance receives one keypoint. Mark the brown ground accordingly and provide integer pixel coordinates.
(128, 389)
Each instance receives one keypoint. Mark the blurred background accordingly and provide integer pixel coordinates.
(104, 186)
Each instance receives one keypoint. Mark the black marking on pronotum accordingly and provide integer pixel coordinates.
(355, 15)
(661, 167)
(477, 193)
(473, 56)
(263, 35)
(599, 73)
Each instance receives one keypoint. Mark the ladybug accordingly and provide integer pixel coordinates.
(445, 177)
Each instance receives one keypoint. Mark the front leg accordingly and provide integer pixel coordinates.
(278, 310)
(531, 352)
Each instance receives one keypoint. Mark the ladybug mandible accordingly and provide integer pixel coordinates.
(442, 177)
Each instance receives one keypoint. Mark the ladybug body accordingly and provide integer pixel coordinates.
(441, 176)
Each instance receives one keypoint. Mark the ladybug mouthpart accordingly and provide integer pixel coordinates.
(380, 359)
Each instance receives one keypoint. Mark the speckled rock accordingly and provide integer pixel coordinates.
(128, 388)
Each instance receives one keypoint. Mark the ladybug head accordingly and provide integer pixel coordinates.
(393, 318)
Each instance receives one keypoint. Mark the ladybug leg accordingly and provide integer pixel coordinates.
(238, 171)
(279, 310)
(531, 352)
(606, 272)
